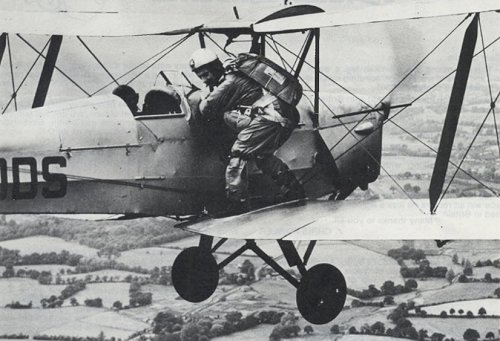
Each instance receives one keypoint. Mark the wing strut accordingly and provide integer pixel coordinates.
(47, 71)
(3, 44)
(453, 113)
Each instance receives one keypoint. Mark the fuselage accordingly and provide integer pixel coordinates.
(94, 156)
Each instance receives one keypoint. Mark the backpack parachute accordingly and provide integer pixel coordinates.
(270, 76)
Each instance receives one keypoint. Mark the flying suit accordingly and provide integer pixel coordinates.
(263, 123)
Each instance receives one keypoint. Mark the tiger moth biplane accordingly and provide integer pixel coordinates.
(93, 156)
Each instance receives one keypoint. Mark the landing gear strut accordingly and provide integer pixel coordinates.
(321, 292)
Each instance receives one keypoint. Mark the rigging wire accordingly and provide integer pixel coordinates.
(172, 47)
(218, 45)
(492, 105)
(423, 59)
(449, 161)
(467, 151)
(56, 67)
(390, 119)
(275, 49)
(140, 64)
(97, 59)
(25, 77)
(12, 73)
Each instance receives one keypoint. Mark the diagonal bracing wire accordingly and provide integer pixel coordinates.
(432, 87)
(172, 47)
(423, 60)
(56, 67)
(12, 72)
(97, 59)
(492, 105)
(218, 45)
(468, 149)
(141, 64)
(24, 79)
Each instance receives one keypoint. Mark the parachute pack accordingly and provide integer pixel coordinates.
(270, 76)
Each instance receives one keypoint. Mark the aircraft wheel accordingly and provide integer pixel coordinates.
(321, 293)
(195, 274)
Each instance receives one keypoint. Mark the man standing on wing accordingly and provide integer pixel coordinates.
(263, 123)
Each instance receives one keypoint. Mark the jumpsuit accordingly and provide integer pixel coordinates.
(261, 131)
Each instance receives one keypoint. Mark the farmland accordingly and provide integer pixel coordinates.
(25, 290)
(456, 327)
(108, 292)
(491, 305)
(76, 321)
(43, 244)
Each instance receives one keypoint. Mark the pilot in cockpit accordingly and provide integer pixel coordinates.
(129, 96)
(158, 101)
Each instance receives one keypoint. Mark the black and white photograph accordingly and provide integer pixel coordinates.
(194, 170)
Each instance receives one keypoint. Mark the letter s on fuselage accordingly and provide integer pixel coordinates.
(55, 184)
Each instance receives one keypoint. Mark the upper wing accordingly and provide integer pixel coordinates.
(372, 14)
(85, 20)
(93, 23)
(465, 218)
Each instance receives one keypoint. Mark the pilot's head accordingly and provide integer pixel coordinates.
(129, 96)
(207, 66)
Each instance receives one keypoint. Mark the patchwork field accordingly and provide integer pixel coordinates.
(43, 244)
(108, 292)
(110, 323)
(459, 291)
(149, 257)
(456, 327)
(491, 305)
(25, 290)
(75, 321)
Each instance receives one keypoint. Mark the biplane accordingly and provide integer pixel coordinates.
(93, 156)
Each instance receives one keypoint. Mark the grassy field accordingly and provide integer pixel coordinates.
(149, 257)
(25, 290)
(456, 327)
(357, 264)
(110, 323)
(461, 291)
(481, 271)
(42, 244)
(75, 321)
(492, 306)
(108, 292)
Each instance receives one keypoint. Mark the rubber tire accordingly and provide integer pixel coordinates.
(321, 294)
(195, 274)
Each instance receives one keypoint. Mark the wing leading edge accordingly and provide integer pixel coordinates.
(458, 219)
(374, 14)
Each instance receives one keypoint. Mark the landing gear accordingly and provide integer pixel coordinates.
(321, 294)
(195, 274)
(321, 291)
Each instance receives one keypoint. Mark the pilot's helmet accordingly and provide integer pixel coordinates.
(201, 58)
